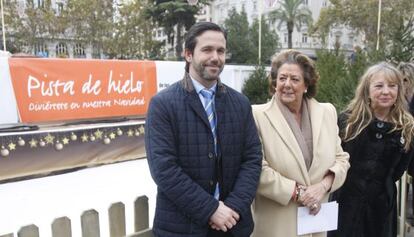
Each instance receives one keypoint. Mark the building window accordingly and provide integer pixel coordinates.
(59, 8)
(61, 50)
(96, 52)
(79, 51)
(324, 4)
(351, 38)
(306, 2)
(338, 37)
(285, 37)
(40, 4)
(304, 38)
(40, 49)
(42, 28)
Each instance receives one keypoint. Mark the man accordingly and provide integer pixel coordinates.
(202, 147)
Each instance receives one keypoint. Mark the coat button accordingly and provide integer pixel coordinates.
(378, 135)
(211, 183)
(380, 124)
(210, 155)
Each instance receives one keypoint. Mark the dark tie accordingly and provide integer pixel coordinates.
(208, 96)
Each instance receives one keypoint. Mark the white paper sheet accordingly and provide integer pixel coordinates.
(325, 220)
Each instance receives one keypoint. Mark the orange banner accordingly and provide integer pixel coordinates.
(67, 89)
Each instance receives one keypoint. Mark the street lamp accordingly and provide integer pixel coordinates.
(259, 53)
(192, 2)
(379, 24)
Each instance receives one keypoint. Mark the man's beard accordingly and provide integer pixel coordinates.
(204, 74)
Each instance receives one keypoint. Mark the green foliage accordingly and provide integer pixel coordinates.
(270, 42)
(124, 34)
(91, 21)
(338, 77)
(238, 47)
(36, 24)
(174, 16)
(256, 88)
(402, 41)
(293, 13)
(12, 21)
(133, 34)
(362, 16)
(244, 50)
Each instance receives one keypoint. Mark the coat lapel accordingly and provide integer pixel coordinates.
(193, 99)
(196, 105)
(282, 128)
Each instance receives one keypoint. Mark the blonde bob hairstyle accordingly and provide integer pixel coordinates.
(360, 113)
(290, 56)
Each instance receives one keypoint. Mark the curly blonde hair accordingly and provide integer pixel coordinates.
(407, 70)
(360, 113)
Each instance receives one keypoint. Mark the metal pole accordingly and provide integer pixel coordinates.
(379, 23)
(2, 26)
(260, 31)
(403, 203)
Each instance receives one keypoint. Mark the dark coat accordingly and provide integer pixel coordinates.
(183, 164)
(368, 198)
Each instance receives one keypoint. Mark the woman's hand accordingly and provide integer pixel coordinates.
(313, 194)
(312, 197)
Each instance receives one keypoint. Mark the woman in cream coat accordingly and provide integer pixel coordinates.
(302, 155)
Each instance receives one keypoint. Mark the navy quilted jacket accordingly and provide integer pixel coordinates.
(182, 162)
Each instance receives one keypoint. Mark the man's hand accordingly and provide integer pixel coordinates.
(224, 218)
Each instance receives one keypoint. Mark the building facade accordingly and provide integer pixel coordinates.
(342, 37)
(62, 45)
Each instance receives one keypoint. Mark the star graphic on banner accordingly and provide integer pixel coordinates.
(130, 133)
(49, 139)
(84, 138)
(141, 129)
(98, 134)
(65, 140)
(12, 146)
(112, 135)
(33, 143)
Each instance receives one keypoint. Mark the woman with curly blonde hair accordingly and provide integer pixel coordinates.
(407, 71)
(377, 132)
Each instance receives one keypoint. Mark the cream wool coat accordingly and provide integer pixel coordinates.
(275, 213)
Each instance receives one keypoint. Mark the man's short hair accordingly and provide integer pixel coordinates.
(195, 31)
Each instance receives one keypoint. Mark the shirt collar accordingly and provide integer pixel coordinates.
(198, 87)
